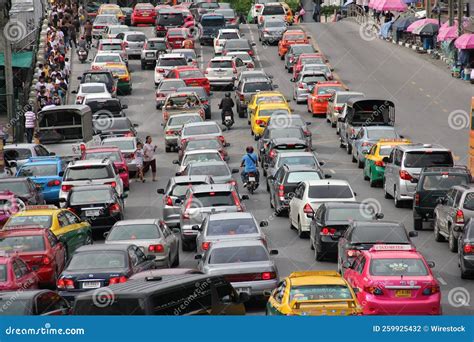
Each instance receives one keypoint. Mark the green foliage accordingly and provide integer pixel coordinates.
(293, 4)
(241, 6)
(329, 10)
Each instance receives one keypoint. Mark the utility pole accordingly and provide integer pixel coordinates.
(7, 51)
(460, 16)
(451, 12)
(428, 8)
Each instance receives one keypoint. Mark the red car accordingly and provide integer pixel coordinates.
(192, 76)
(307, 58)
(188, 16)
(167, 18)
(318, 99)
(176, 36)
(114, 154)
(143, 13)
(15, 274)
(39, 248)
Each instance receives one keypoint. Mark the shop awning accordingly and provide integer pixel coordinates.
(19, 59)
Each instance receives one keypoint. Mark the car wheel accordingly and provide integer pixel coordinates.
(271, 202)
(348, 148)
(318, 255)
(417, 223)
(186, 246)
(268, 187)
(89, 240)
(176, 259)
(365, 175)
(360, 164)
(398, 203)
(452, 243)
(143, 66)
(438, 237)
(291, 223)
(167, 149)
(311, 242)
(354, 159)
(282, 58)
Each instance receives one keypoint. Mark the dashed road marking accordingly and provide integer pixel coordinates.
(442, 281)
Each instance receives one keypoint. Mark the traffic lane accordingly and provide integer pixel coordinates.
(423, 91)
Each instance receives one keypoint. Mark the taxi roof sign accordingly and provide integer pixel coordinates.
(41, 207)
(383, 248)
(395, 140)
(314, 274)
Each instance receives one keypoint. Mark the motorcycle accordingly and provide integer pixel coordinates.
(251, 182)
(82, 55)
(228, 122)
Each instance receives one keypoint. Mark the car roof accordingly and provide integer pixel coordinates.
(103, 247)
(316, 278)
(327, 182)
(222, 58)
(13, 146)
(236, 243)
(24, 294)
(211, 187)
(376, 224)
(188, 179)
(334, 205)
(298, 168)
(278, 141)
(443, 169)
(203, 123)
(273, 105)
(99, 84)
(136, 221)
(91, 187)
(200, 151)
(421, 147)
(230, 216)
(79, 163)
(13, 179)
(110, 40)
(229, 30)
(22, 231)
(120, 139)
(134, 32)
(156, 39)
(378, 128)
(296, 154)
(171, 55)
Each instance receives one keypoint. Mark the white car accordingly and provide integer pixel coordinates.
(128, 146)
(197, 156)
(222, 36)
(257, 8)
(104, 57)
(309, 195)
(112, 31)
(273, 10)
(90, 172)
(101, 22)
(133, 42)
(223, 71)
(244, 57)
(166, 62)
(88, 98)
(97, 89)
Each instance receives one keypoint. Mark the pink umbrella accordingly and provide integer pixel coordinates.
(373, 3)
(391, 5)
(447, 33)
(421, 22)
(465, 41)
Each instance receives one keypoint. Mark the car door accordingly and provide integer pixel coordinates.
(77, 229)
(369, 160)
(316, 224)
(451, 210)
(341, 247)
(142, 264)
(170, 239)
(443, 210)
(274, 183)
(35, 191)
(28, 276)
(388, 173)
(58, 251)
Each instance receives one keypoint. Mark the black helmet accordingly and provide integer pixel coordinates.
(249, 149)
(227, 94)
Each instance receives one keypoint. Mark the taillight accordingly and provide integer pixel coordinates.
(183, 141)
(417, 199)
(205, 245)
(160, 70)
(237, 201)
(306, 133)
(307, 209)
(233, 182)
(129, 134)
(459, 216)
(268, 275)
(301, 85)
(379, 163)
(217, 42)
(169, 132)
(112, 184)
(337, 108)
(65, 284)
(242, 97)
(259, 122)
(431, 289)
(114, 208)
(405, 175)
(116, 280)
(272, 154)
(54, 183)
(366, 143)
(250, 65)
(234, 70)
(352, 253)
(156, 248)
(281, 191)
(377, 291)
(46, 260)
(250, 52)
(125, 44)
(468, 248)
(66, 188)
(222, 139)
(168, 201)
(327, 231)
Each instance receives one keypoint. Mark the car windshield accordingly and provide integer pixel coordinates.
(319, 292)
(330, 191)
(123, 145)
(171, 85)
(38, 170)
(298, 160)
(289, 132)
(179, 190)
(91, 196)
(270, 112)
(375, 134)
(42, 221)
(273, 10)
(136, 38)
(229, 35)
(92, 89)
(20, 188)
(30, 243)
(199, 130)
(201, 157)
(89, 261)
(112, 155)
(443, 181)
(397, 267)
(179, 120)
(379, 234)
(221, 64)
(425, 159)
(87, 173)
(190, 74)
(270, 23)
(110, 47)
(313, 78)
(272, 99)
(213, 199)
(253, 87)
(301, 176)
(363, 213)
(3, 273)
(134, 232)
(231, 255)
(469, 203)
(108, 59)
(216, 170)
(327, 90)
(156, 45)
(295, 36)
(15, 307)
(231, 227)
(172, 61)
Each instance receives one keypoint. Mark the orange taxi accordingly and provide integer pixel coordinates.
(291, 37)
(320, 95)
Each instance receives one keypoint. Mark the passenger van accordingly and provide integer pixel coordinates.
(186, 294)
(210, 23)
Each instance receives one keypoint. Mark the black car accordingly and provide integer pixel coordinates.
(98, 204)
(100, 76)
(108, 127)
(205, 99)
(278, 145)
(282, 185)
(127, 11)
(277, 133)
(361, 236)
(293, 120)
(106, 108)
(95, 266)
(466, 250)
(24, 188)
(331, 221)
(33, 303)
(433, 184)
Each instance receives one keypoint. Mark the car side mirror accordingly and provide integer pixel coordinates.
(322, 162)
(310, 215)
(124, 106)
(386, 160)
(414, 180)
(196, 228)
(135, 125)
(52, 154)
(106, 234)
(273, 252)
(308, 123)
(235, 171)
(79, 78)
(275, 86)
(160, 191)
(431, 264)
(347, 264)
(254, 44)
(175, 162)
(355, 194)
(379, 216)
(198, 257)
(292, 79)
(226, 144)
(62, 200)
(337, 235)
(412, 234)
(61, 173)
(178, 201)
(74, 92)
(244, 197)
(263, 223)
(271, 177)
(326, 176)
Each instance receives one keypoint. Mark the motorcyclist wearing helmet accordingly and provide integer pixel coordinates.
(226, 106)
(250, 164)
(82, 44)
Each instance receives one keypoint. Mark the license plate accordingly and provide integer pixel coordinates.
(228, 118)
(243, 290)
(194, 84)
(252, 179)
(91, 284)
(92, 212)
(403, 293)
(150, 54)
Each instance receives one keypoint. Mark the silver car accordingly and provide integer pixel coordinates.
(202, 200)
(248, 87)
(134, 42)
(128, 146)
(174, 195)
(152, 236)
(101, 22)
(271, 31)
(366, 138)
(197, 156)
(246, 264)
(207, 128)
(218, 170)
(229, 226)
(173, 128)
(404, 165)
(20, 153)
(151, 49)
(223, 70)
(304, 84)
(165, 87)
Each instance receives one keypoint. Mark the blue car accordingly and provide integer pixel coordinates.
(44, 171)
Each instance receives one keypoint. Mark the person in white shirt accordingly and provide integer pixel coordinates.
(149, 157)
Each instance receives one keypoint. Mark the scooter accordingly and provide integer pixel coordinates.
(251, 182)
(228, 122)
(82, 55)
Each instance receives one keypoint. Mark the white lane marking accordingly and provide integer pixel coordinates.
(332, 171)
(442, 281)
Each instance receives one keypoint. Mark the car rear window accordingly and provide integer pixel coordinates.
(425, 159)
(253, 87)
(154, 45)
(16, 187)
(443, 182)
(299, 49)
(90, 261)
(313, 60)
(190, 74)
(313, 79)
(350, 214)
(219, 170)
(272, 99)
(42, 221)
(221, 64)
(30, 243)
(134, 232)
(201, 157)
(301, 176)
(229, 35)
(38, 170)
(297, 160)
(327, 90)
(171, 85)
(136, 37)
(177, 120)
(172, 61)
(112, 155)
(273, 10)
(212, 144)
(3, 272)
(227, 13)
(381, 134)
(91, 196)
(199, 130)
(107, 59)
(213, 22)
(469, 202)
(176, 33)
(92, 89)
(271, 23)
(179, 190)
(298, 36)
(96, 78)
(111, 47)
(237, 44)
(270, 112)
(319, 292)
(88, 173)
(397, 267)
(231, 227)
(123, 145)
(214, 199)
(289, 132)
(230, 255)
(171, 19)
(330, 191)
(380, 234)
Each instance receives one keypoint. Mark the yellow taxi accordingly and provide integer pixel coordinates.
(66, 225)
(374, 167)
(112, 10)
(313, 293)
(262, 113)
(124, 79)
(264, 96)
